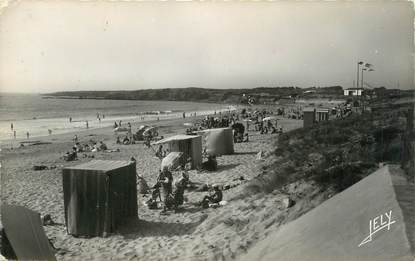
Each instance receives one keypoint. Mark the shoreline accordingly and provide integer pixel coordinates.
(80, 125)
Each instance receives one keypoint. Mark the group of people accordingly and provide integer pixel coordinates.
(92, 146)
(163, 190)
(173, 196)
(210, 122)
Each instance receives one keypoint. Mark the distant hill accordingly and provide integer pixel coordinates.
(259, 95)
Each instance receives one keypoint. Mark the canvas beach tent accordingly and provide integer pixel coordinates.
(24, 230)
(98, 196)
(219, 141)
(189, 145)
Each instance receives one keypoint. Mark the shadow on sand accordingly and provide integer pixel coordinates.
(142, 228)
(246, 153)
(227, 167)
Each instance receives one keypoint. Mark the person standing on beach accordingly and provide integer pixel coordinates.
(11, 126)
(70, 119)
(27, 134)
(87, 124)
(14, 134)
(50, 131)
(166, 180)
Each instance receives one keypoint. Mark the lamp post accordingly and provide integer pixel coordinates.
(367, 68)
(358, 67)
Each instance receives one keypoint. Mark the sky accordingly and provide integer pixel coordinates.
(48, 46)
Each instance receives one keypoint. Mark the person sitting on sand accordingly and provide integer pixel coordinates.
(75, 138)
(86, 148)
(95, 147)
(77, 147)
(102, 146)
(180, 186)
(126, 140)
(212, 199)
(211, 164)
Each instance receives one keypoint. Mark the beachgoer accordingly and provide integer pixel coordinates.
(75, 138)
(70, 119)
(160, 153)
(115, 124)
(126, 140)
(214, 199)
(11, 126)
(27, 134)
(118, 141)
(102, 146)
(166, 179)
(103, 116)
(211, 164)
(180, 186)
(14, 134)
(87, 124)
(50, 131)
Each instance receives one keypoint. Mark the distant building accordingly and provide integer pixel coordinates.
(353, 92)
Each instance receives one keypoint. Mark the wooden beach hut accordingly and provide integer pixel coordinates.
(189, 145)
(309, 117)
(219, 141)
(98, 196)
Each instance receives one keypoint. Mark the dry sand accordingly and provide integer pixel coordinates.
(192, 234)
(336, 228)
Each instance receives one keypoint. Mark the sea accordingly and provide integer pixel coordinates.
(37, 114)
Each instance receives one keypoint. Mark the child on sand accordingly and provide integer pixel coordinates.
(214, 199)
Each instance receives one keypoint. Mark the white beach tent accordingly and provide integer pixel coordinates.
(190, 145)
(219, 141)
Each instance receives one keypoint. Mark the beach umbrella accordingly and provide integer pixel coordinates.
(151, 130)
(143, 127)
(121, 129)
(269, 118)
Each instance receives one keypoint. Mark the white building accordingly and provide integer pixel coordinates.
(353, 92)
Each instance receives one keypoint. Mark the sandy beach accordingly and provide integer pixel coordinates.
(191, 234)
